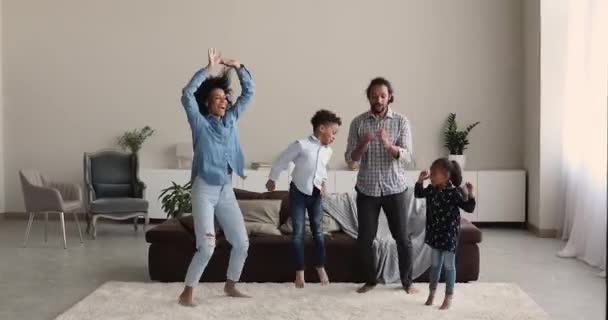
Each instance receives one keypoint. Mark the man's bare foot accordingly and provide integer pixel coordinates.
(410, 289)
(366, 287)
(231, 290)
(429, 300)
(447, 302)
(299, 282)
(323, 276)
(185, 299)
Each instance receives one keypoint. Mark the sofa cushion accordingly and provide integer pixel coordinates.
(261, 216)
(259, 228)
(274, 195)
(264, 211)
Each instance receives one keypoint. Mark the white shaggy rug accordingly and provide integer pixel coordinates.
(152, 301)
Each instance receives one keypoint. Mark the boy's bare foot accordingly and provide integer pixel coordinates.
(231, 290)
(366, 287)
(299, 282)
(185, 299)
(447, 302)
(323, 276)
(429, 300)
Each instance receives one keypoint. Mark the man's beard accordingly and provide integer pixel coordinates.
(379, 109)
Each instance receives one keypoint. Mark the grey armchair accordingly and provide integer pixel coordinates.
(44, 196)
(114, 190)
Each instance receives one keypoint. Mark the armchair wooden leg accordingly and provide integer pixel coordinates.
(28, 229)
(135, 223)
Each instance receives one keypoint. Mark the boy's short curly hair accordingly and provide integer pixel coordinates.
(324, 117)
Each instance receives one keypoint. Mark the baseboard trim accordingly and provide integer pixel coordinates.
(508, 225)
(543, 233)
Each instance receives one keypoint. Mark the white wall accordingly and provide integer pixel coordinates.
(2, 138)
(79, 73)
(531, 85)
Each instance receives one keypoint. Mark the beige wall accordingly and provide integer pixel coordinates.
(2, 148)
(532, 107)
(79, 73)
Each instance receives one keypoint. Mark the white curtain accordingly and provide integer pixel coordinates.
(584, 132)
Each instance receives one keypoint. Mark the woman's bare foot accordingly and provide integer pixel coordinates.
(231, 290)
(185, 299)
(447, 302)
(299, 282)
(366, 287)
(429, 300)
(323, 276)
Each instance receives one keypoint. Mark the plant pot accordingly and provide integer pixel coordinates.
(460, 158)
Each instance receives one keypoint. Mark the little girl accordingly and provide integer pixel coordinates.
(444, 197)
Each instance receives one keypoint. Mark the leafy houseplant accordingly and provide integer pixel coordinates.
(176, 199)
(133, 140)
(457, 141)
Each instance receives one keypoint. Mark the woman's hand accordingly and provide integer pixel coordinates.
(215, 58)
(231, 63)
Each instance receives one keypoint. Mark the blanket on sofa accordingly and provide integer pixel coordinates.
(343, 208)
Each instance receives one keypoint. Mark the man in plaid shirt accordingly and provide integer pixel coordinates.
(380, 139)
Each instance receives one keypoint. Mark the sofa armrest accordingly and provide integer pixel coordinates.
(40, 199)
(469, 233)
(171, 231)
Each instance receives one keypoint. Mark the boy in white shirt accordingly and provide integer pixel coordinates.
(310, 156)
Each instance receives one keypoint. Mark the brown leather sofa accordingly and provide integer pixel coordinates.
(270, 257)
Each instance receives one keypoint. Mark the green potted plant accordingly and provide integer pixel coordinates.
(175, 200)
(134, 139)
(457, 141)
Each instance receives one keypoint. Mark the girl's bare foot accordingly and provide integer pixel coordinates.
(299, 282)
(447, 302)
(323, 276)
(231, 290)
(429, 300)
(185, 299)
